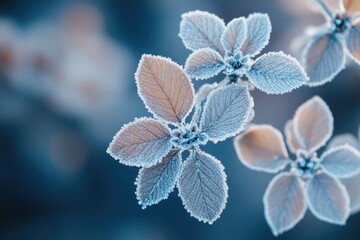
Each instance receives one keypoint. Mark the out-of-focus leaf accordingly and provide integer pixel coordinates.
(226, 112)
(352, 6)
(164, 88)
(352, 187)
(142, 143)
(202, 187)
(328, 199)
(277, 73)
(344, 139)
(313, 124)
(155, 183)
(284, 202)
(291, 140)
(341, 162)
(323, 58)
(262, 148)
(353, 42)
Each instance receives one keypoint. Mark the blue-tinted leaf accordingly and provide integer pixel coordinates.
(284, 202)
(202, 186)
(201, 97)
(262, 148)
(291, 139)
(341, 162)
(165, 88)
(204, 63)
(200, 29)
(323, 58)
(277, 73)
(352, 187)
(344, 139)
(234, 35)
(353, 42)
(226, 112)
(142, 143)
(258, 33)
(155, 183)
(204, 91)
(328, 199)
(313, 124)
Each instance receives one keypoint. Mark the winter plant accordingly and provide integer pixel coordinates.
(324, 55)
(167, 148)
(230, 49)
(311, 181)
(157, 144)
(351, 184)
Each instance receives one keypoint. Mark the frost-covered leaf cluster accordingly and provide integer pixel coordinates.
(231, 48)
(222, 110)
(156, 144)
(328, 46)
(312, 181)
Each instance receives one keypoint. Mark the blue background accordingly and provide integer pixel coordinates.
(39, 200)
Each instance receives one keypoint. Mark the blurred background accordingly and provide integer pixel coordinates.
(67, 86)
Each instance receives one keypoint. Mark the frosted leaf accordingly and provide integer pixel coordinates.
(258, 33)
(164, 88)
(226, 112)
(200, 29)
(352, 187)
(313, 124)
(262, 148)
(291, 140)
(344, 139)
(353, 42)
(202, 186)
(328, 199)
(284, 202)
(251, 117)
(352, 6)
(155, 183)
(142, 143)
(277, 73)
(341, 162)
(204, 63)
(204, 91)
(234, 35)
(323, 59)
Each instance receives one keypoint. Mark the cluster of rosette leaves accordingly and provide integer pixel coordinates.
(310, 181)
(328, 46)
(157, 145)
(231, 48)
